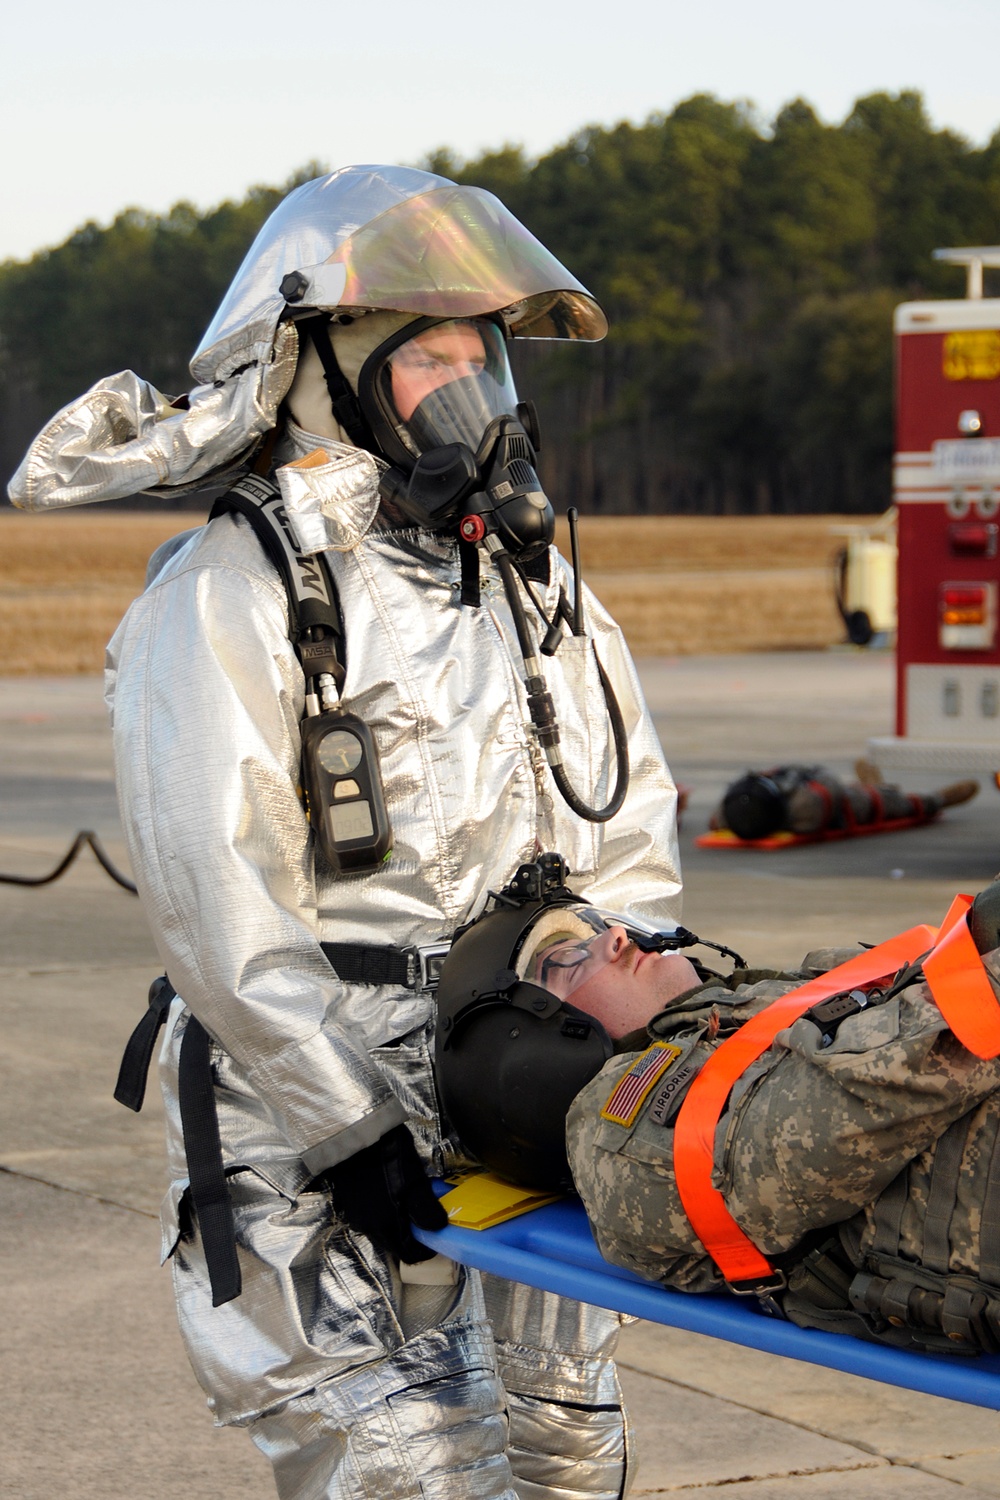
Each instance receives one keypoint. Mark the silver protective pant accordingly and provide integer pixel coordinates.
(386, 1389)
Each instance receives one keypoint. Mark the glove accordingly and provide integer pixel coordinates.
(379, 1190)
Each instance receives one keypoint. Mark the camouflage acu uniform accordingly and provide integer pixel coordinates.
(853, 1134)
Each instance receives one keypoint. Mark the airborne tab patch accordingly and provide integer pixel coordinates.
(631, 1090)
(673, 1091)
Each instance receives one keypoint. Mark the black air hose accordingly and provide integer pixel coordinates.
(84, 838)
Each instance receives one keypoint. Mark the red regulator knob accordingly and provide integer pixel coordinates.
(472, 528)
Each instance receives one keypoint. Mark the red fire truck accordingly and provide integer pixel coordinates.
(947, 490)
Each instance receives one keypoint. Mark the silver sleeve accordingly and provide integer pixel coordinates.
(123, 436)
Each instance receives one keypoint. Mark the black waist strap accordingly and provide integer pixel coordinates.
(359, 965)
(200, 1124)
(409, 968)
(130, 1089)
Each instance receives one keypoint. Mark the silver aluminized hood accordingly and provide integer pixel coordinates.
(359, 239)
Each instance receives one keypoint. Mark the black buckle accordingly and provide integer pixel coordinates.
(828, 1014)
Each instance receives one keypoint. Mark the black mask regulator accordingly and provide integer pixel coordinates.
(495, 489)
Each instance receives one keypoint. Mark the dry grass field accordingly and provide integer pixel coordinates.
(678, 585)
(689, 585)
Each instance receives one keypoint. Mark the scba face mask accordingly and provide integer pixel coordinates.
(441, 402)
(443, 384)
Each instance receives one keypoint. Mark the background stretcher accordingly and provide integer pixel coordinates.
(723, 838)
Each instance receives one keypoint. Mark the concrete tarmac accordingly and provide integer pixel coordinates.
(99, 1399)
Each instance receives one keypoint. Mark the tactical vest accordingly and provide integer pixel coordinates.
(943, 1211)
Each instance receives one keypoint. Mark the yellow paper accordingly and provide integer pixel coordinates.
(481, 1200)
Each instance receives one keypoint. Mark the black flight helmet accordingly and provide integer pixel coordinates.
(754, 806)
(512, 1049)
(511, 1056)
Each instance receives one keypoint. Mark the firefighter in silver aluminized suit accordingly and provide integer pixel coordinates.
(366, 327)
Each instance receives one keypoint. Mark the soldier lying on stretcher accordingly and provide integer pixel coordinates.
(811, 800)
(860, 1153)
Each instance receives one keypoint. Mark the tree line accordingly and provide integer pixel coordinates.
(749, 272)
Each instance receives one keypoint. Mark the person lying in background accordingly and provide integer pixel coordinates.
(811, 799)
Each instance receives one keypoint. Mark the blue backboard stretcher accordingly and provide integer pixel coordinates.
(553, 1248)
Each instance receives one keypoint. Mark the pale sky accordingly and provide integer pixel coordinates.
(114, 103)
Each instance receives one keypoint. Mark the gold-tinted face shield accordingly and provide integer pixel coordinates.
(393, 239)
(457, 252)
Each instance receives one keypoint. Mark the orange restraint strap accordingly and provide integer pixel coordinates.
(962, 992)
(737, 1257)
(961, 986)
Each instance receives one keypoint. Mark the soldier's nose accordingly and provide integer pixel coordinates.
(615, 944)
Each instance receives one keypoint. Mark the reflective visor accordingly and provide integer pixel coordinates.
(445, 385)
(394, 239)
(458, 252)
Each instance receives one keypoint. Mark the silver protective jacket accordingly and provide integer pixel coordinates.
(340, 1370)
(207, 696)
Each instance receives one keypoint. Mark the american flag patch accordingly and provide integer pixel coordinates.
(634, 1087)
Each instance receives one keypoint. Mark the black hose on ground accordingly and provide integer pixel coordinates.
(85, 838)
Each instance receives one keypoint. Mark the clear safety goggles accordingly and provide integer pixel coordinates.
(444, 384)
(567, 947)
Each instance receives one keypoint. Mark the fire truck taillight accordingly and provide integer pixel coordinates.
(973, 538)
(967, 616)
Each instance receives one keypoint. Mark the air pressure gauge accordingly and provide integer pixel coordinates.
(343, 786)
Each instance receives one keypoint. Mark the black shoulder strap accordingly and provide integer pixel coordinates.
(317, 629)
